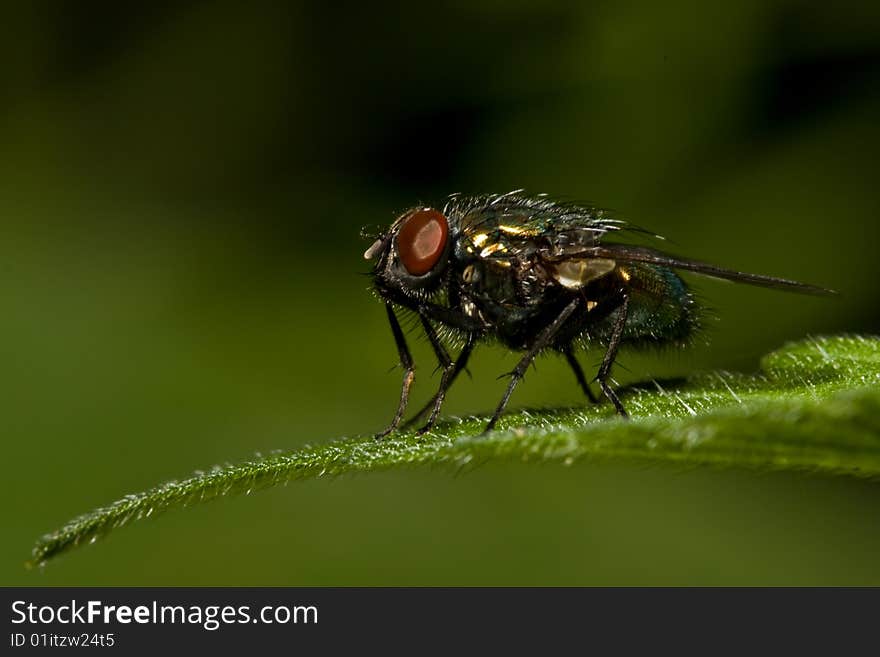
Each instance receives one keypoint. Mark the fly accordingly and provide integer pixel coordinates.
(536, 275)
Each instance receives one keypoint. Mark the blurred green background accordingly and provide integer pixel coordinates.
(181, 191)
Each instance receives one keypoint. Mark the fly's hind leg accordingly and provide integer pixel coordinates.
(610, 354)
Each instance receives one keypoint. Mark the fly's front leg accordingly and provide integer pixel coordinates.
(409, 373)
(611, 354)
(545, 337)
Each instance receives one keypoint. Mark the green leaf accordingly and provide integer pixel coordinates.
(815, 406)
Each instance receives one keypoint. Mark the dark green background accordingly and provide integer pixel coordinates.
(181, 192)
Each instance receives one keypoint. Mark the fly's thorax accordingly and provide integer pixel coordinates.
(488, 280)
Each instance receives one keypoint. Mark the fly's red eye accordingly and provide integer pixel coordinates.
(422, 240)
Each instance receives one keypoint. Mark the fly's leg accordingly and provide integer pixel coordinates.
(459, 366)
(579, 375)
(543, 340)
(450, 372)
(611, 354)
(409, 373)
(447, 365)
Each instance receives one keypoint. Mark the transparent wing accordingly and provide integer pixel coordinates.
(562, 231)
(627, 253)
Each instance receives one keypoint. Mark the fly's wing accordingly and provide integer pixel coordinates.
(569, 237)
(623, 253)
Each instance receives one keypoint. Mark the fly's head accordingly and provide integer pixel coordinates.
(413, 254)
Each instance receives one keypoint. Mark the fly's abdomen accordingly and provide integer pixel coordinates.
(661, 307)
